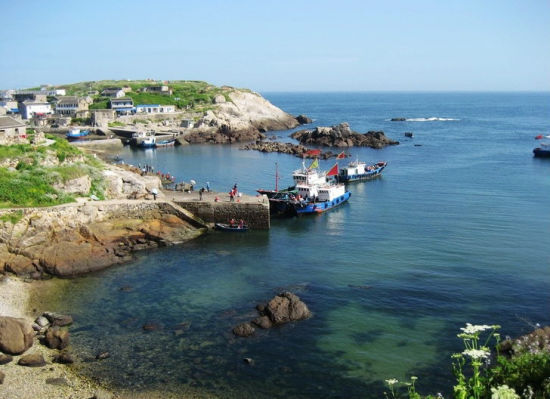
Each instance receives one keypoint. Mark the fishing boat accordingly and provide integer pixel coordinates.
(148, 142)
(77, 133)
(237, 228)
(319, 198)
(166, 143)
(360, 171)
(543, 151)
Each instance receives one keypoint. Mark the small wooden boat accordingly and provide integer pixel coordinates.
(77, 133)
(231, 227)
(166, 143)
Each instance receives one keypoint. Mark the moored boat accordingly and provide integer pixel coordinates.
(165, 143)
(319, 199)
(77, 133)
(148, 142)
(237, 228)
(360, 171)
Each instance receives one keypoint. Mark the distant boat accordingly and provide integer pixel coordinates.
(77, 133)
(360, 171)
(231, 228)
(543, 151)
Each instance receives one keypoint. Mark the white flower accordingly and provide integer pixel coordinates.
(392, 381)
(476, 353)
(473, 329)
(503, 392)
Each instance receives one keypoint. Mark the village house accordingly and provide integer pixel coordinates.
(71, 105)
(114, 92)
(158, 90)
(122, 106)
(155, 109)
(30, 109)
(43, 92)
(9, 105)
(101, 117)
(30, 96)
(12, 131)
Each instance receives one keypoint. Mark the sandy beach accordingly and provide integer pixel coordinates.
(30, 382)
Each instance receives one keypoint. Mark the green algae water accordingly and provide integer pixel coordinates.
(456, 230)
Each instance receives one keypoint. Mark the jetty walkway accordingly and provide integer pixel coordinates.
(215, 207)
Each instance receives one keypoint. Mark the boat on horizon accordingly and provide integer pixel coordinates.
(543, 151)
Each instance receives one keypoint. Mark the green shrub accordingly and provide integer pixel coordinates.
(12, 217)
(528, 374)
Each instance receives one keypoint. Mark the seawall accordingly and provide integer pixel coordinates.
(217, 208)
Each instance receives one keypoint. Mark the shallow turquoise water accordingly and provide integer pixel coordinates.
(455, 231)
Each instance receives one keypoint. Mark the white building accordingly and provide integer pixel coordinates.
(155, 109)
(29, 109)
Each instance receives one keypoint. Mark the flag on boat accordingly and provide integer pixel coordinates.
(313, 153)
(333, 171)
(342, 155)
(314, 164)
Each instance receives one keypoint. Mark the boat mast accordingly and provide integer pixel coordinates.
(276, 176)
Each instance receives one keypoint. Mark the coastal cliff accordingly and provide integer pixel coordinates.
(73, 239)
(245, 116)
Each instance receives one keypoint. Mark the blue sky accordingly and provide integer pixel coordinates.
(439, 45)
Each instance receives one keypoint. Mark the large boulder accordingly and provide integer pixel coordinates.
(57, 338)
(16, 335)
(286, 307)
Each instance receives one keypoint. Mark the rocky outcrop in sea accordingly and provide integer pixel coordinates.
(281, 309)
(297, 150)
(342, 136)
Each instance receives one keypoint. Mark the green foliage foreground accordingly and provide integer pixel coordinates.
(32, 184)
(524, 372)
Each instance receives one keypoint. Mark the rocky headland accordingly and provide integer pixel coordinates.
(76, 238)
(342, 136)
(245, 116)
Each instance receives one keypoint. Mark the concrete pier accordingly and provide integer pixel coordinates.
(254, 210)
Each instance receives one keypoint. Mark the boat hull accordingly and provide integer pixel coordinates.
(320, 207)
(371, 174)
(541, 153)
(232, 229)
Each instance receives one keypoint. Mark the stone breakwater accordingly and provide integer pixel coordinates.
(73, 239)
(342, 136)
(297, 150)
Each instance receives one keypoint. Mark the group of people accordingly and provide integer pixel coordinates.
(233, 223)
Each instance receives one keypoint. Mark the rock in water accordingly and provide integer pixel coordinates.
(303, 120)
(63, 358)
(243, 330)
(286, 307)
(342, 136)
(16, 335)
(58, 319)
(57, 338)
(34, 360)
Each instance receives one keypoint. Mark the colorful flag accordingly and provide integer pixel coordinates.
(313, 152)
(342, 155)
(333, 171)
(314, 164)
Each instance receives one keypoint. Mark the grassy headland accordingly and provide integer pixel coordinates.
(29, 173)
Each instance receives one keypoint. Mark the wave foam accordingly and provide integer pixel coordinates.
(432, 119)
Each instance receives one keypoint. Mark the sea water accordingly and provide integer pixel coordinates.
(456, 230)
